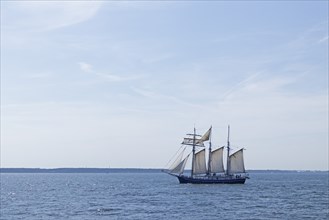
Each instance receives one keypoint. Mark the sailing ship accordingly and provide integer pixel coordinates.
(213, 171)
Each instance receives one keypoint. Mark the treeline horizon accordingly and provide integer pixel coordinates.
(120, 170)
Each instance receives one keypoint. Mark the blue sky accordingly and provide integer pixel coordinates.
(93, 84)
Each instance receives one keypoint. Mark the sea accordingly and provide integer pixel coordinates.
(156, 195)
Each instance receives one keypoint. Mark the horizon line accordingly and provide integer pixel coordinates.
(138, 168)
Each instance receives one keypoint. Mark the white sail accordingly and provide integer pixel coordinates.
(177, 161)
(216, 161)
(236, 164)
(205, 137)
(179, 169)
(200, 163)
(189, 141)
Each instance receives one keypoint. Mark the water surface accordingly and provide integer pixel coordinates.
(267, 195)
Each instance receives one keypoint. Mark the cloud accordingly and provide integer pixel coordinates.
(270, 100)
(44, 75)
(310, 36)
(161, 97)
(157, 58)
(324, 39)
(116, 78)
(269, 85)
(88, 68)
(46, 15)
(240, 84)
(269, 93)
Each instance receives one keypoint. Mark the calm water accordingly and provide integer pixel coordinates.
(288, 195)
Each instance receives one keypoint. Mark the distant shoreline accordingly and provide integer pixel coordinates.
(119, 170)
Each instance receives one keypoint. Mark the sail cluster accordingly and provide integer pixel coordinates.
(197, 141)
(235, 163)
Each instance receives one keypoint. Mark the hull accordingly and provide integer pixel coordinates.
(212, 180)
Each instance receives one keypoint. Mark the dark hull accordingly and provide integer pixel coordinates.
(212, 180)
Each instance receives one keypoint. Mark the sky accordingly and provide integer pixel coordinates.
(120, 83)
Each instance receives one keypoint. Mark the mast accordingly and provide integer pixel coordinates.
(228, 152)
(209, 156)
(193, 152)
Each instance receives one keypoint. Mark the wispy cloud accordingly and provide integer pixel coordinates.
(324, 39)
(161, 97)
(260, 86)
(88, 68)
(269, 85)
(158, 58)
(46, 15)
(239, 85)
(310, 36)
(246, 36)
(38, 75)
(117, 78)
